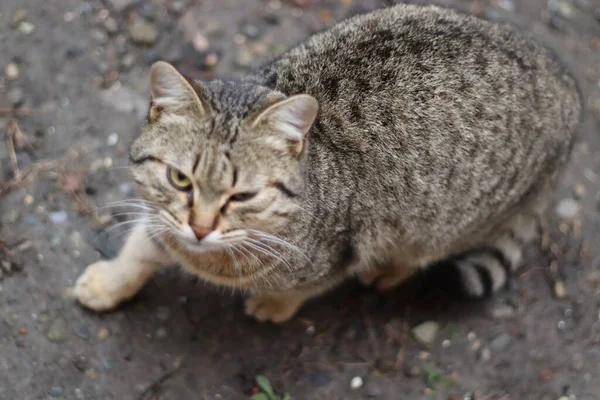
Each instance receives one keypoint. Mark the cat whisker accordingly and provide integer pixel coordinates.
(268, 250)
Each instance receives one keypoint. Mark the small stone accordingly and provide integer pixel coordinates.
(502, 311)
(26, 28)
(28, 200)
(373, 390)
(57, 331)
(58, 217)
(561, 8)
(84, 9)
(243, 57)
(55, 391)
(120, 5)
(411, 370)
(446, 344)
(103, 333)
(68, 16)
(560, 290)
(111, 25)
(200, 42)
(177, 7)
(55, 242)
(6, 266)
(79, 394)
(161, 333)
(567, 208)
(99, 36)
(506, 5)
(501, 342)
(16, 97)
(113, 138)
(310, 330)
(211, 60)
(557, 23)
(579, 191)
(485, 355)
(11, 71)
(82, 332)
(18, 17)
(426, 332)
(81, 363)
(143, 32)
(128, 60)
(92, 374)
(561, 325)
(250, 30)
(356, 383)
(163, 313)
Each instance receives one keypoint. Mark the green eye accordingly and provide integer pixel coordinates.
(178, 179)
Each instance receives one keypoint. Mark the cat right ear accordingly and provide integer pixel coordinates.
(172, 93)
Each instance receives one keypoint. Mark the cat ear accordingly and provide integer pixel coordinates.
(171, 92)
(290, 119)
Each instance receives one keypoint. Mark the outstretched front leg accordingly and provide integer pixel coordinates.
(106, 284)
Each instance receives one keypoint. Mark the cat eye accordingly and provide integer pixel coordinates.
(243, 196)
(178, 179)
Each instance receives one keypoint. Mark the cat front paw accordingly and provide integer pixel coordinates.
(98, 287)
(277, 309)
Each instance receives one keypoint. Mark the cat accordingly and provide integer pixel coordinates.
(391, 141)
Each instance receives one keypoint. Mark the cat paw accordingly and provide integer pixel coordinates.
(272, 308)
(385, 278)
(97, 288)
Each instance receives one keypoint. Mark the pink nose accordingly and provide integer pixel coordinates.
(200, 231)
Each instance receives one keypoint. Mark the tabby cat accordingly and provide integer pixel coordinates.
(393, 140)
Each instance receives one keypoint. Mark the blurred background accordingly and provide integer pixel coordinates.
(73, 90)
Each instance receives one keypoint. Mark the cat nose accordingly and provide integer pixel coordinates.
(200, 231)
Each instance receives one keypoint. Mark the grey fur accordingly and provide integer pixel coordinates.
(438, 133)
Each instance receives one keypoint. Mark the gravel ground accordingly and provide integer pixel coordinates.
(75, 78)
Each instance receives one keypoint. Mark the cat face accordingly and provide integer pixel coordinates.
(214, 172)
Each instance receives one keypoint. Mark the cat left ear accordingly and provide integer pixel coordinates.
(290, 119)
(171, 92)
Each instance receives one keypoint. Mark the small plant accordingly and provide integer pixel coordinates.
(264, 390)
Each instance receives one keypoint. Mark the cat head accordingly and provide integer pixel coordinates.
(219, 161)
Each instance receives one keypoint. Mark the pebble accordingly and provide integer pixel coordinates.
(92, 374)
(103, 333)
(28, 200)
(113, 138)
(120, 5)
(82, 332)
(81, 363)
(557, 23)
(501, 342)
(579, 191)
(57, 331)
(502, 311)
(506, 5)
(200, 42)
(426, 332)
(251, 30)
(58, 217)
(243, 58)
(485, 355)
(84, 9)
(127, 61)
(161, 333)
(16, 96)
(411, 370)
(163, 313)
(560, 290)
(143, 32)
(26, 28)
(111, 25)
(373, 390)
(211, 60)
(99, 36)
(126, 100)
(6, 266)
(18, 17)
(356, 383)
(11, 71)
(567, 208)
(55, 391)
(562, 8)
(79, 394)
(177, 7)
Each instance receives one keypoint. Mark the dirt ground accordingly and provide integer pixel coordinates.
(75, 78)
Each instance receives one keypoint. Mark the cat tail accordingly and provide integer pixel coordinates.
(487, 269)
